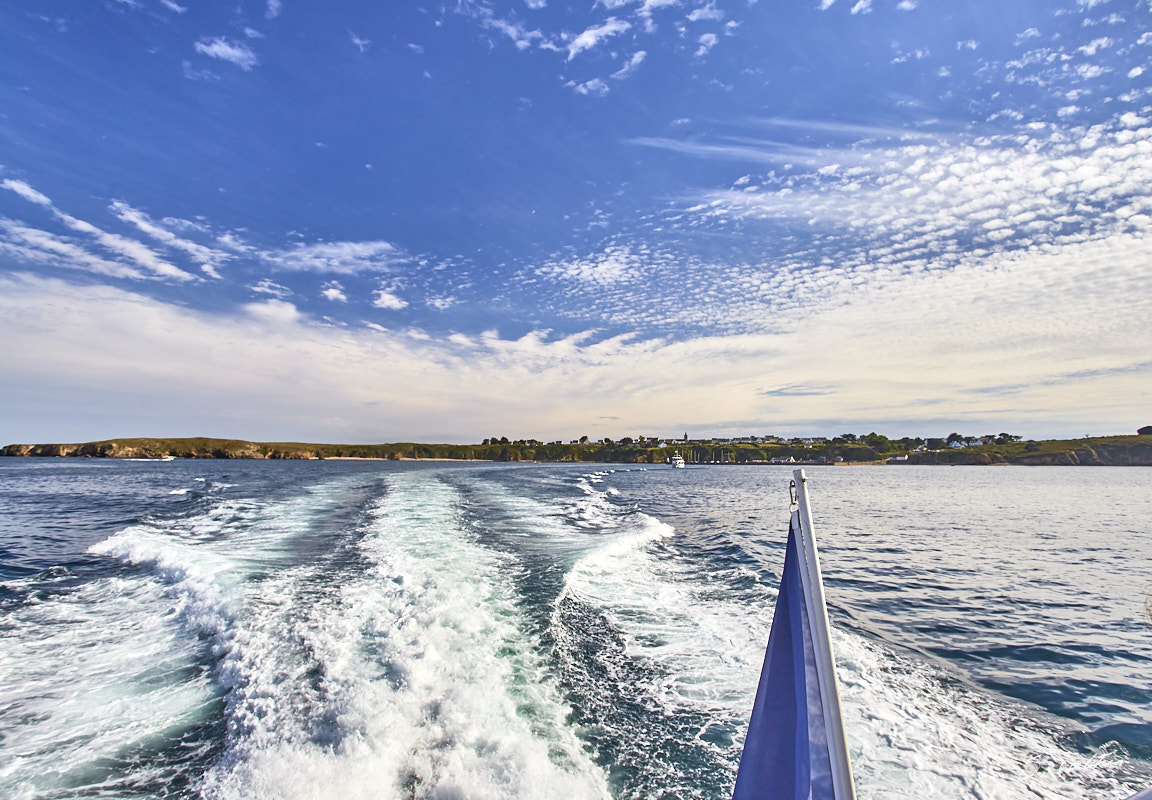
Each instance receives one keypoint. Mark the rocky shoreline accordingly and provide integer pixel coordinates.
(1089, 455)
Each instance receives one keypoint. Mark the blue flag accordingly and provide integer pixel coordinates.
(786, 753)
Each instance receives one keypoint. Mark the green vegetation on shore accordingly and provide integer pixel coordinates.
(848, 448)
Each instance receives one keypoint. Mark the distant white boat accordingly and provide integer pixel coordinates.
(678, 461)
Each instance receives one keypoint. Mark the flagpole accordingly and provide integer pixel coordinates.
(822, 645)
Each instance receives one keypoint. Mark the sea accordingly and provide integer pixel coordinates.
(349, 629)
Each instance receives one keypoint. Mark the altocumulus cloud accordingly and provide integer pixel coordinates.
(341, 258)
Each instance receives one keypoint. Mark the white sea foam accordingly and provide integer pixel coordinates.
(92, 675)
(915, 731)
(432, 685)
(115, 665)
(412, 673)
(95, 674)
(702, 644)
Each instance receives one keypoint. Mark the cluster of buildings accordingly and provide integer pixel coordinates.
(654, 441)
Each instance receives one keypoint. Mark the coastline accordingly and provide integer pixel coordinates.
(1134, 450)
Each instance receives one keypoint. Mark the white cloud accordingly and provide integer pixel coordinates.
(276, 312)
(173, 6)
(207, 258)
(27, 192)
(233, 242)
(339, 258)
(335, 292)
(273, 9)
(521, 36)
(906, 5)
(614, 265)
(269, 373)
(387, 299)
(862, 7)
(706, 42)
(441, 303)
(632, 65)
(194, 74)
(917, 55)
(536, 5)
(593, 36)
(1135, 72)
(267, 286)
(646, 12)
(1092, 47)
(361, 44)
(920, 207)
(826, 4)
(33, 246)
(1030, 33)
(707, 12)
(594, 87)
(122, 246)
(745, 150)
(236, 53)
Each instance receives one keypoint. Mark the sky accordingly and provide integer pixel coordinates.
(372, 222)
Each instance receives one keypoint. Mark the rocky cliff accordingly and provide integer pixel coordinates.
(165, 448)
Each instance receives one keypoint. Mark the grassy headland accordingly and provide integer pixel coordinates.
(1095, 451)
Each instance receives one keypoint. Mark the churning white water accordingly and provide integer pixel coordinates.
(211, 630)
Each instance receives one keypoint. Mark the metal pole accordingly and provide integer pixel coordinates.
(842, 784)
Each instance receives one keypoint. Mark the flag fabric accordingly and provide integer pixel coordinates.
(786, 754)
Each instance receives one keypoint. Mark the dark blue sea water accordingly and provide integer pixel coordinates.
(429, 630)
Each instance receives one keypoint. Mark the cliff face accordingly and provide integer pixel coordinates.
(39, 449)
(190, 449)
(1094, 455)
(955, 457)
(1089, 454)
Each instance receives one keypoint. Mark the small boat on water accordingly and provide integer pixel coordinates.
(677, 461)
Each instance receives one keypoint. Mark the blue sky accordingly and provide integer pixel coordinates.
(406, 221)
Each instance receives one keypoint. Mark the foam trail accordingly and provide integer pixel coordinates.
(915, 731)
(101, 679)
(691, 646)
(115, 687)
(96, 676)
(429, 686)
